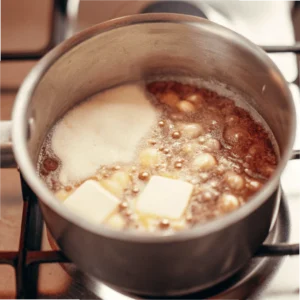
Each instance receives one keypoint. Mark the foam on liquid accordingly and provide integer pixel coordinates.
(105, 129)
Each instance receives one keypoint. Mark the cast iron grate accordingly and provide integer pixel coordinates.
(26, 260)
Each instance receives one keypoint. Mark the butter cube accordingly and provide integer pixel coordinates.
(92, 202)
(164, 197)
(116, 222)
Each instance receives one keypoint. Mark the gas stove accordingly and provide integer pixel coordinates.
(31, 266)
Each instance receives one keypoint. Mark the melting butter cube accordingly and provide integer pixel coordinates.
(62, 195)
(165, 197)
(92, 202)
(116, 222)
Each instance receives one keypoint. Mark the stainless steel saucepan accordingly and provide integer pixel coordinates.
(132, 48)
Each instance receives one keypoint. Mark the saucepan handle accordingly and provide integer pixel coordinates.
(284, 248)
(7, 156)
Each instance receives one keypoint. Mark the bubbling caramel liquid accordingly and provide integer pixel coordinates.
(200, 137)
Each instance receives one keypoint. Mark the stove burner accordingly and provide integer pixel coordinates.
(242, 285)
(179, 7)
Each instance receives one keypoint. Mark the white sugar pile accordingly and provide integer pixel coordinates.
(105, 129)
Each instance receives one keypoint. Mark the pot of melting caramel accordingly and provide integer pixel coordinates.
(155, 145)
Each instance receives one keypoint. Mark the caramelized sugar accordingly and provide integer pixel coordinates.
(202, 138)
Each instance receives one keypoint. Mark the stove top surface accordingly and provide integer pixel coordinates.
(265, 23)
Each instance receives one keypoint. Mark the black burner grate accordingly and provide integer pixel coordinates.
(27, 259)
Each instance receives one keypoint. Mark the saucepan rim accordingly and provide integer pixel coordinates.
(20, 126)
